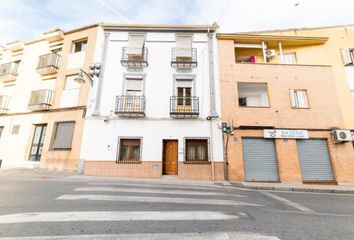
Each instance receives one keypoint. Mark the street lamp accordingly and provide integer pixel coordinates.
(94, 71)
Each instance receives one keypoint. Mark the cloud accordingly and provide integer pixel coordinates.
(28, 19)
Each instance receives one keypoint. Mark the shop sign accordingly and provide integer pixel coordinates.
(285, 133)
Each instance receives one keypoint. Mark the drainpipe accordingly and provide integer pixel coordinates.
(213, 113)
(96, 112)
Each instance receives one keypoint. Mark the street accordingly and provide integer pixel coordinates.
(37, 204)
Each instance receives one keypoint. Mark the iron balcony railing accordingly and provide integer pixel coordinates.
(179, 61)
(4, 104)
(40, 99)
(9, 69)
(49, 60)
(134, 60)
(130, 106)
(184, 107)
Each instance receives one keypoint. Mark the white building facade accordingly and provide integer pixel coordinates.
(155, 108)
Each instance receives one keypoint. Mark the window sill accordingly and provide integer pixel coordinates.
(300, 107)
(196, 162)
(128, 162)
(60, 149)
(254, 106)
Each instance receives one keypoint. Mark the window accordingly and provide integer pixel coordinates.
(252, 95)
(184, 46)
(133, 86)
(79, 46)
(15, 130)
(289, 58)
(196, 150)
(299, 98)
(63, 135)
(129, 150)
(136, 44)
(184, 96)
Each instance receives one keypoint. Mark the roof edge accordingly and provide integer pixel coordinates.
(299, 28)
(230, 36)
(127, 26)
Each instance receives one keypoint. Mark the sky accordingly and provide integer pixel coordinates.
(28, 19)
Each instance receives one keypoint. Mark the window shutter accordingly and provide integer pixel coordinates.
(302, 98)
(184, 46)
(64, 135)
(136, 45)
(133, 84)
(346, 56)
(292, 98)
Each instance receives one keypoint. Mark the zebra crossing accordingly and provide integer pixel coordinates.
(172, 195)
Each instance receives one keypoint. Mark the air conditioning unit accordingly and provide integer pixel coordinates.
(341, 136)
(270, 53)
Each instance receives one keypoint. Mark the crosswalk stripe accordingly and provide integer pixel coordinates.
(144, 190)
(156, 236)
(114, 216)
(98, 197)
(169, 186)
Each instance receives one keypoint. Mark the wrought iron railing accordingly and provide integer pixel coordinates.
(130, 105)
(40, 99)
(187, 106)
(9, 69)
(180, 61)
(49, 60)
(134, 60)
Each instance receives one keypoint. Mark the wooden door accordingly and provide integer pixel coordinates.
(170, 157)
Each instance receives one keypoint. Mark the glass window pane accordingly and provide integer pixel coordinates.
(190, 153)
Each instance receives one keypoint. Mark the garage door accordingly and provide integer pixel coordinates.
(314, 160)
(260, 159)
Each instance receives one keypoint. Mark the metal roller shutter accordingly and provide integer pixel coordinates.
(314, 160)
(260, 159)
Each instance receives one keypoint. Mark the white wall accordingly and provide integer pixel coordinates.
(100, 138)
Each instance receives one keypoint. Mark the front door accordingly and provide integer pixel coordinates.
(37, 142)
(170, 157)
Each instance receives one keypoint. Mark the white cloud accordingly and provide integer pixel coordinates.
(27, 19)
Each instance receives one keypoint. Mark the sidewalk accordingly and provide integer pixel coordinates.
(297, 187)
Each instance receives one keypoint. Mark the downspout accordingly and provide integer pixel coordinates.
(213, 113)
(96, 112)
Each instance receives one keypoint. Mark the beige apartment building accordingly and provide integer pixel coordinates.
(284, 100)
(41, 106)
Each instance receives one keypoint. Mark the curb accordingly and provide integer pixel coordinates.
(290, 189)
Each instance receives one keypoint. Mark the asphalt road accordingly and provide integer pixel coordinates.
(37, 205)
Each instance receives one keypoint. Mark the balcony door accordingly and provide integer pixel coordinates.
(37, 142)
(184, 95)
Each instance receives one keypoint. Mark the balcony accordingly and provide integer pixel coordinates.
(184, 107)
(4, 104)
(130, 106)
(9, 71)
(40, 100)
(184, 62)
(48, 64)
(134, 60)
